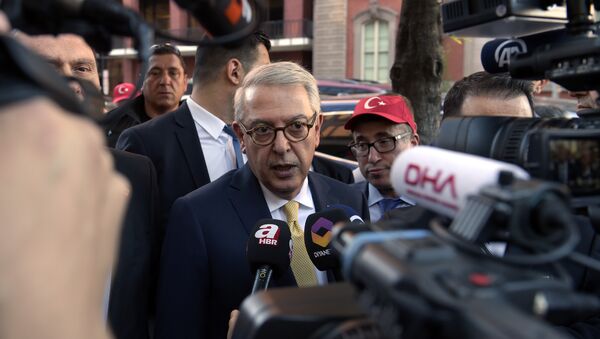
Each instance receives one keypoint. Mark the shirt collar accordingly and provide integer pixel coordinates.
(375, 196)
(210, 123)
(274, 202)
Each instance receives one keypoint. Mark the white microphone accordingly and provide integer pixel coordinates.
(442, 180)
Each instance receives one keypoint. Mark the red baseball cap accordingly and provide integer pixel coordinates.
(391, 107)
(122, 92)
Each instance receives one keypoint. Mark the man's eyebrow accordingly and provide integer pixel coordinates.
(84, 61)
(264, 122)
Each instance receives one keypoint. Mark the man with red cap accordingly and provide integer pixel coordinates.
(382, 127)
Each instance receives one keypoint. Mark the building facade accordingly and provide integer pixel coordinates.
(335, 39)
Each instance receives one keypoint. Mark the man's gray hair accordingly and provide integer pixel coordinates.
(282, 73)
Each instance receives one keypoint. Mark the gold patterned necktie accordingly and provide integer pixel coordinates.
(303, 269)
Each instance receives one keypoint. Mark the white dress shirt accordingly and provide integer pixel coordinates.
(217, 146)
(306, 207)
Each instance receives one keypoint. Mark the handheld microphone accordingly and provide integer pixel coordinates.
(496, 54)
(269, 250)
(317, 238)
(441, 180)
(350, 213)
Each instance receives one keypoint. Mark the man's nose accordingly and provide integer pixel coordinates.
(281, 144)
(373, 155)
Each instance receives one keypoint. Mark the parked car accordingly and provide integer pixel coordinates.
(336, 88)
(334, 138)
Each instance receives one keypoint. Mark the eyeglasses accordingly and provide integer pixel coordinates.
(164, 48)
(382, 145)
(295, 131)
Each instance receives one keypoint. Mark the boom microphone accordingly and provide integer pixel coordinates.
(441, 180)
(269, 251)
(496, 54)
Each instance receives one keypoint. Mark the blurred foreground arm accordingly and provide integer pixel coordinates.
(60, 206)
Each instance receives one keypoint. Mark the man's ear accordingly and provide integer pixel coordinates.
(414, 140)
(235, 71)
(237, 129)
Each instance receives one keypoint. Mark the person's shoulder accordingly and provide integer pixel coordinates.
(211, 192)
(361, 186)
(321, 179)
(161, 123)
(124, 159)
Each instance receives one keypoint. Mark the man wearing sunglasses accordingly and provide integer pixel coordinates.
(382, 127)
(204, 271)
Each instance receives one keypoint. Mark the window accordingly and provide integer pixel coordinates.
(375, 38)
(156, 12)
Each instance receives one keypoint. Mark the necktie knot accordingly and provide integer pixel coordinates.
(291, 214)
(227, 129)
(388, 204)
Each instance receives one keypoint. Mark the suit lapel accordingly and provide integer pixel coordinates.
(190, 145)
(319, 190)
(247, 197)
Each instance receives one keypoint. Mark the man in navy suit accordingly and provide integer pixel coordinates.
(382, 127)
(204, 271)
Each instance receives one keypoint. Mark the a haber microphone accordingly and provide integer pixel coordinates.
(317, 237)
(496, 54)
(441, 180)
(268, 251)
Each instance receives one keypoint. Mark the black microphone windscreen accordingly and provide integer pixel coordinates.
(350, 213)
(270, 244)
(496, 54)
(317, 237)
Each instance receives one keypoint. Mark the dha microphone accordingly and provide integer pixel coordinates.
(269, 250)
(442, 180)
(496, 54)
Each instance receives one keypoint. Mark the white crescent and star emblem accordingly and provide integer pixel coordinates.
(122, 90)
(379, 103)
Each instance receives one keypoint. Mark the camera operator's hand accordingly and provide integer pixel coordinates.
(4, 24)
(61, 204)
(233, 316)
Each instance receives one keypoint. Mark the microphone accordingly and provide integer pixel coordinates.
(269, 250)
(317, 238)
(441, 180)
(350, 212)
(496, 54)
(222, 18)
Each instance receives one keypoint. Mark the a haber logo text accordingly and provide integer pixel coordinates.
(437, 182)
(267, 234)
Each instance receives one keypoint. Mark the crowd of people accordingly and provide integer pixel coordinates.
(200, 173)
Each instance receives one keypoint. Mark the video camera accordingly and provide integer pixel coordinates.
(561, 150)
(444, 283)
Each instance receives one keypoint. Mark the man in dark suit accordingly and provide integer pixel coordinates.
(204, 271)
(133, 284)
(190, 147)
